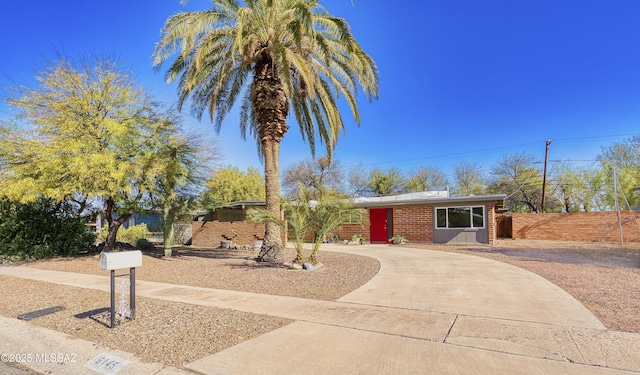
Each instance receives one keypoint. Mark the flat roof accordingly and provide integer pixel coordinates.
(403, 200)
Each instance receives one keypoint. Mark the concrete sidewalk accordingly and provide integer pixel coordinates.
(425, 312)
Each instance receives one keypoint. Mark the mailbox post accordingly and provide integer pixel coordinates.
(112, 261)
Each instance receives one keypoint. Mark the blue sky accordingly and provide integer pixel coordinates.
(460, 80)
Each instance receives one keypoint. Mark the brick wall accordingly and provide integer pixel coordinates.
(580, 226)
(346, 231)
(211, 233)
(414, 222)
(491, 223)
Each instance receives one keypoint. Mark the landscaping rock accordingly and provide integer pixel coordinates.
(308, 266)
(296, 266)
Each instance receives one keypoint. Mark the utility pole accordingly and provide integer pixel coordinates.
(544, 177)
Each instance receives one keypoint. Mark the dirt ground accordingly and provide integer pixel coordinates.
(596, 253)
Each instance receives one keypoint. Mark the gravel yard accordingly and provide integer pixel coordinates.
(175, 333)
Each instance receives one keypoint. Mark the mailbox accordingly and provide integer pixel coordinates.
(121, 259)
(113, 261)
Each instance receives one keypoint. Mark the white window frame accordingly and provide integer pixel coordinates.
(446, 210)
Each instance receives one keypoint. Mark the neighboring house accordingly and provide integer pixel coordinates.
(153, 221)
(428, 217)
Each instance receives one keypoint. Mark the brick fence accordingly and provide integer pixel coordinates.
(579, 226)
(242, 233)
(211, 233)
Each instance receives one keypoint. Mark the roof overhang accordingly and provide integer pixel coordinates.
(244, 204)
(393, 201)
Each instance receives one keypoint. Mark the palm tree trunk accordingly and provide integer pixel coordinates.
(272, 249)
(271, 107)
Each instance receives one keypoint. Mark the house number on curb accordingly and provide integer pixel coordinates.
(117, 260)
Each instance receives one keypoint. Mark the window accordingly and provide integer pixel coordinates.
(460, 217)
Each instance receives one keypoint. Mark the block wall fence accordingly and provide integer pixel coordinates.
(579, 226)
(242, 233)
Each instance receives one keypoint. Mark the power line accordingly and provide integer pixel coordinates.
(493, 149)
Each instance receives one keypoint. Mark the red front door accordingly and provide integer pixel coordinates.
(381, 228)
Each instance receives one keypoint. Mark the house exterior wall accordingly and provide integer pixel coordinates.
(487, 234)
(492, 233)
(346, 231)
(579, 226)
(414, 222)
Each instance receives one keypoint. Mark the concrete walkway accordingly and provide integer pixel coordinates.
(425, 312)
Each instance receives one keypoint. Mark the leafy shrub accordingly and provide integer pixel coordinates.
(41, 229)
(129, 235)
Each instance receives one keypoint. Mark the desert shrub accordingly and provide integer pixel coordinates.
(41, 229)
(133, 233)
(129, 235)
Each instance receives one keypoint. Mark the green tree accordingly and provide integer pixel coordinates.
(622, 154)
(469, 179)
(628, 187)
(575, 187)
(88, 130)
(624, 157)
(230, 185)
(386, 182)
(426, 178)
(274, 56)
(316, 176)
(184, 169)
(517, 176)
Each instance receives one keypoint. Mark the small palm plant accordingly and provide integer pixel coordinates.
(398, 239)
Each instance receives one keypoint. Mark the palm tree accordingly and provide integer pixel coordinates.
(272, 55)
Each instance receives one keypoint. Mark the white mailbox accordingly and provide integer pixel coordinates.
(120, 259)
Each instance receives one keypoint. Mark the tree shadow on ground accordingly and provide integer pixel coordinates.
(249, 257)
